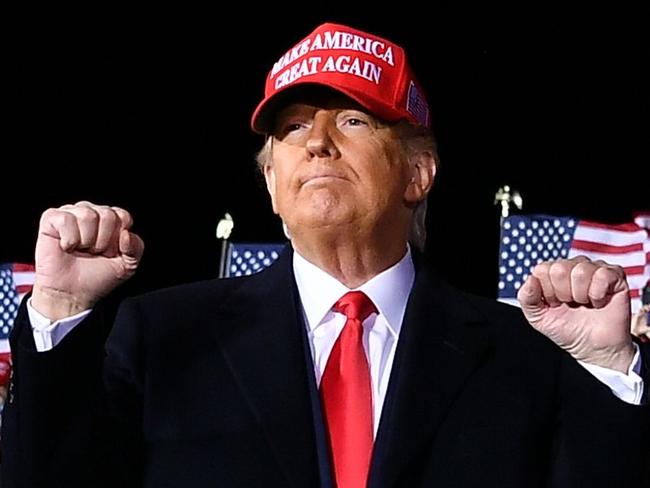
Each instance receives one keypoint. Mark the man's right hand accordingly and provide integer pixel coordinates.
(83, 252)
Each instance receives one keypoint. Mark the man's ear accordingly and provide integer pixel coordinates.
(269, 177)
(422, 171)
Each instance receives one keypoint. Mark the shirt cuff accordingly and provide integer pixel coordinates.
(48, 334)
(628, 387)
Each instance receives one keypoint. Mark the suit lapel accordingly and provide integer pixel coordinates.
(261, 342)
(438, 349)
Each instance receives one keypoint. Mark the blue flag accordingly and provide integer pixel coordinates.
(249, 258)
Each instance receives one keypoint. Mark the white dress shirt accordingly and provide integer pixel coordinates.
(389, 291)
(318, 292)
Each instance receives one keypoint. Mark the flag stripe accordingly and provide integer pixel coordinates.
(607, 248)
(23, 289)
(634, 270)
(611, 236)
(636, 282)
(24, 278)
(628, 227)
(625, 260)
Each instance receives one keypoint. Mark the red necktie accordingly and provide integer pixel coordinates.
(346, 395)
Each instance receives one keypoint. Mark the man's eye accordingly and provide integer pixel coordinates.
(293, 127)
(354, 122)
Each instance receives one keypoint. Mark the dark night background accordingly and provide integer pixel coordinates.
(151, 113)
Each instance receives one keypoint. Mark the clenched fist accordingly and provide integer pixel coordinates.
(584, 307)
(83, 252)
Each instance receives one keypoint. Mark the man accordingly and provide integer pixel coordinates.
(348, 363)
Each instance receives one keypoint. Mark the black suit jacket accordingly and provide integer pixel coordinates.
(211, 384)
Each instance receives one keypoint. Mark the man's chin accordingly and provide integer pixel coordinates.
(320, 218)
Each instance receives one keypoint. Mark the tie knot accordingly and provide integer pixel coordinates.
(355, 305)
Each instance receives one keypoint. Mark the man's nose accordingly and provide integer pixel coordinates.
(320, 143)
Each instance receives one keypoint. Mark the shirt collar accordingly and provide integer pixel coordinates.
(389, 290)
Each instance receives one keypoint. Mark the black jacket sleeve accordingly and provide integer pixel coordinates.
(602, 441)
(59, 428)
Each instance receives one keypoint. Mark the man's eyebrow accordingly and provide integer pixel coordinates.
(293, 109)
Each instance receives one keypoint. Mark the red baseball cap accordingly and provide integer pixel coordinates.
(370, 70)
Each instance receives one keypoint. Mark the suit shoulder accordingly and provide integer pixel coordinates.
(492, 308)
(219, 289)
(486, 308)
(191, 294)
(504, 320)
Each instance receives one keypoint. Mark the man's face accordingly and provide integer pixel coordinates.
(334, 164)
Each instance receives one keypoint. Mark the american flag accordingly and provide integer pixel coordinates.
(16, 281)
(527, 240)
(249, 258)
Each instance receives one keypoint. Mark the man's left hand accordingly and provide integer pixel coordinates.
(584, 307)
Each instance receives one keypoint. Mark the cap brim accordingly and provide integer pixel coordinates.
(263, 118)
